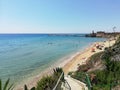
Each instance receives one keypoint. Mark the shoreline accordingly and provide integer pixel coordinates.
(67, 68)
(68, 64)
(32, 81)
(84, 56)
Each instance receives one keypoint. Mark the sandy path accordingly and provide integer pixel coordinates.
(73, 84)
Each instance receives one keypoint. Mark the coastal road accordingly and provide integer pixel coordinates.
(74, 84)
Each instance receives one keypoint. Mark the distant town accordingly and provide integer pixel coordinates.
(102, 34)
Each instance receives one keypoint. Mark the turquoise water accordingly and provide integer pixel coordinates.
(22, 55)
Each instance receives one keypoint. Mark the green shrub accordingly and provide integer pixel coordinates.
(48, 83)
(45, 83)
(79, 76)
(70, 73)
(6, 86)
(26, 88)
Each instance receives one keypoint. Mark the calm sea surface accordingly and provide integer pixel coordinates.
(25, 55)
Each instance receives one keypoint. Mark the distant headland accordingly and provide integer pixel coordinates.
(102, 34)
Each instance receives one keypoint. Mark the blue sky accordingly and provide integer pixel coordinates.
(58, 16)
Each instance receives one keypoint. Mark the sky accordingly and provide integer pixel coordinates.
(59, 16)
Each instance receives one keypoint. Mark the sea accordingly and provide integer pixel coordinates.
(25, 55)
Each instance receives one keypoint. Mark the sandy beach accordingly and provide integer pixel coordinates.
(82, 57)
(69, 64)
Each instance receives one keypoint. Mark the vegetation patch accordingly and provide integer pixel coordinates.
(46, 83)
(105, 79)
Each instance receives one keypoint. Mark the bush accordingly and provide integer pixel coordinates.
(6, 86)
(48, 83)
(79, 76)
